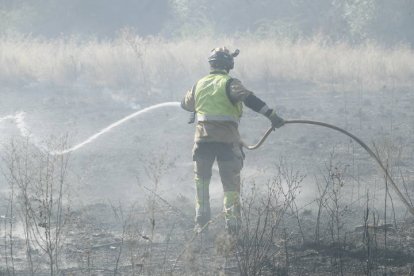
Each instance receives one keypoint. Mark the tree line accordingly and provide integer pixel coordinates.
(355, 21)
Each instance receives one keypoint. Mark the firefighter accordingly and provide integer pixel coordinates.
(217, 101)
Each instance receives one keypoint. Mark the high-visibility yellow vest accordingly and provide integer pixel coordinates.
(212, 102)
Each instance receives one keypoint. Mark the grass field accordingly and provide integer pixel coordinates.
(147, 64)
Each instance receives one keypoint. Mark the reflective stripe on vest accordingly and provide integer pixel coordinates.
(206, 118)
(212, 102)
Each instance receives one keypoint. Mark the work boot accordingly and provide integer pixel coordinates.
(200, 221)
(232, 226)
(198, 228)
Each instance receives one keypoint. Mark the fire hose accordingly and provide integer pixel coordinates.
(359, 141)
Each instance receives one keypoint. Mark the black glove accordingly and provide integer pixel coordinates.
(276, 120)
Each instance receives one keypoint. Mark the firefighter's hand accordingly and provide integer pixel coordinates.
(275, 119)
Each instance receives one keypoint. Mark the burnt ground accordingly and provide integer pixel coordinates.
(99, 241)
(115, 226)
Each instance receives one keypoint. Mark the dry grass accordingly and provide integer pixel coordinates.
(152, 64)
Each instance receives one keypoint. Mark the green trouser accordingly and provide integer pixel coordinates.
(230, 162)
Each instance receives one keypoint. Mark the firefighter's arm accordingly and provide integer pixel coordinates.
(238, 92)
(188, 102)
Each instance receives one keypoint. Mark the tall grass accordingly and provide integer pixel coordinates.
(148, 65)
